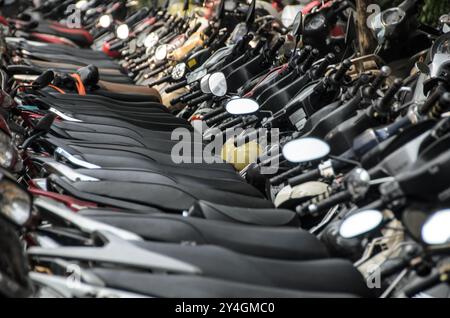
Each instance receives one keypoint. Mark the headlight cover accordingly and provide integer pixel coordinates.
(6, 151)
(15, 203)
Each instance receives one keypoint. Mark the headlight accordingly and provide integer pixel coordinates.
(105, 21)
(178, 71)
(15, 203)
(123, 31)
(6, 151)
(392, 16)
(161, 52)
(151, 40)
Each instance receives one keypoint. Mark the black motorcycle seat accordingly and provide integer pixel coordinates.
(125, 122)
(269, 242)
(123, 128)
(253, 216)
(151, 121)
(326, 275)
(118, 135)
(115, 98)
(117, 156)
(163, 196)
(78, 36)
(185, 286)
(142, 176)
(102, 103)
(74, 100)
(110, 75)
(50, 48)
(77, 60)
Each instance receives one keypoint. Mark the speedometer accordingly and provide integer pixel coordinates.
(315, 23)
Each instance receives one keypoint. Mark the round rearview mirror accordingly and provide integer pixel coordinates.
(204, 84)
(161, 52)
(218, 84)
(241, 106)
(436, 230)
(178, 71)
(123, 32)
(105, 21)
(297, 25)
(151, 40)
(305, 149)
(361, 223)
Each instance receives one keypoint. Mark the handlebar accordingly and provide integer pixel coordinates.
(176, 86)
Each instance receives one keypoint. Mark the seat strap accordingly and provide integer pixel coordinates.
(57, 89)
(79, 83)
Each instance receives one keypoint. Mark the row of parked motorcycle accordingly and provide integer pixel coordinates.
(330, 178)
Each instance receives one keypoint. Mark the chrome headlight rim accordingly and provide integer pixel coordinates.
(15, 201)
(7, 155)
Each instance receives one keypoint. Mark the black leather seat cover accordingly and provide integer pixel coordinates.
(167, 197)
(117, 156)
(51, 48)
(79, 36)
(268, 242)
(328, 275)
(254, 216)
(170, 178)
(184, 286)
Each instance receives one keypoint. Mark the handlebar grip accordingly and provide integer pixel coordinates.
(211, 38)
(194, 29)
(321, 69)
(216, 119)
(214, 113)
(383, 104)
(394, 266)
(200, 99)
(156, 71)
(276, 47)
(444, 106)
(191, 96)
(230, 123)
(324, 205)
(161, 80)
(430, 102)
(422, 285)
(285, 175)
(385, 72)
(303, 55)
(304, 177)
(176, 86)
(176, 100)
(340, 73)
(310, 60)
